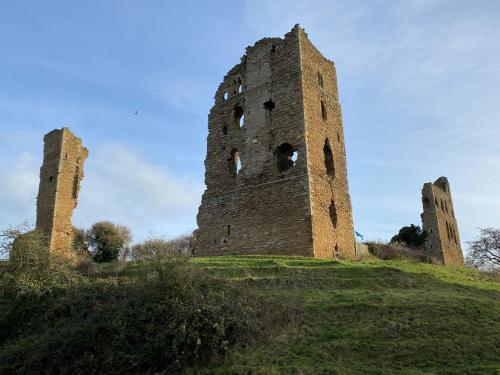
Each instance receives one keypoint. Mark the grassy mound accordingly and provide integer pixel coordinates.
(261, 315)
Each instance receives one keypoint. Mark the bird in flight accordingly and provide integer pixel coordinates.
(136, 112)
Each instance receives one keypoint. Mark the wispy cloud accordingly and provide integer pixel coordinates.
(118, 185)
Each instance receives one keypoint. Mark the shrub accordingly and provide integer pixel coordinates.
(106, 240)
(174, 318)
(31, 269)
(397, 251)
(411, 236)
(157, 247)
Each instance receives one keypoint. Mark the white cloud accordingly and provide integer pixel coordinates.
(122, 187)
(119, 186)
(19, 187)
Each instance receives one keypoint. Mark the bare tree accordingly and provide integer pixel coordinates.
(484, 252)
(157, 247)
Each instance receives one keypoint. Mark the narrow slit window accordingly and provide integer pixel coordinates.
(333, 214)
(320, 79)
(329, 163)
(240, 86)
(324, 114)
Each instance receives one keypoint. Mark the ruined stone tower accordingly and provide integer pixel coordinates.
(60, 176)
(438, 219)
(276, 170)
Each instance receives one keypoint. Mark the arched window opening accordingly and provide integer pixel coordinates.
(239, 118)
(286, 157)
(234, 162)
(333, 214)
(324, 115)
(320, 79)
(329, 163)
(448, 231)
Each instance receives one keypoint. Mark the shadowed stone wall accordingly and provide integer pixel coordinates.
(438, 219)
(275, 167)
(60, 176)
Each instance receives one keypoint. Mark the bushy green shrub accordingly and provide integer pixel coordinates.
(176, 316)
(31, 269)
(105, 240)
(412, 236)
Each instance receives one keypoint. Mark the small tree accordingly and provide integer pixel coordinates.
(412, 236)
(484, 252)
(106, 240)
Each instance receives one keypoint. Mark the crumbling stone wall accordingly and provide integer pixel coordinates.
(60, 176)
(438, 219)
(273, 187)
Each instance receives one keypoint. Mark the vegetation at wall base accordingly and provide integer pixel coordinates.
(257, 315)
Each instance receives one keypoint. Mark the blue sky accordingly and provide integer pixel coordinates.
(418, 80)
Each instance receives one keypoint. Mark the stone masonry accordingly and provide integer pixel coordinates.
(438, 219)
(276, 171)
(60, 176)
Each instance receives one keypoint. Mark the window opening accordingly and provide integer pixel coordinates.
(269, 105)
(324, 115)
(320, 79)
(238, 116)
(234, 162)
(240, 86)
(229, 230)
(287, 157)
(336, 252)
(225, 96)
(329, 163)
(333, 214)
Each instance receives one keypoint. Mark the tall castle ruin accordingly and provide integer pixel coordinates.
(438, 220)
(60, 176)
(276, 170)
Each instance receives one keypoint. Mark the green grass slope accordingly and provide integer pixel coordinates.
(368, 317)
(308, 316)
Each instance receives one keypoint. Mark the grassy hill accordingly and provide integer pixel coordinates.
(310, 316)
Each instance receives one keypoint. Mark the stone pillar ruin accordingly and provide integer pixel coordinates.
(60, 176)
(276, 170)
(438, 220)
